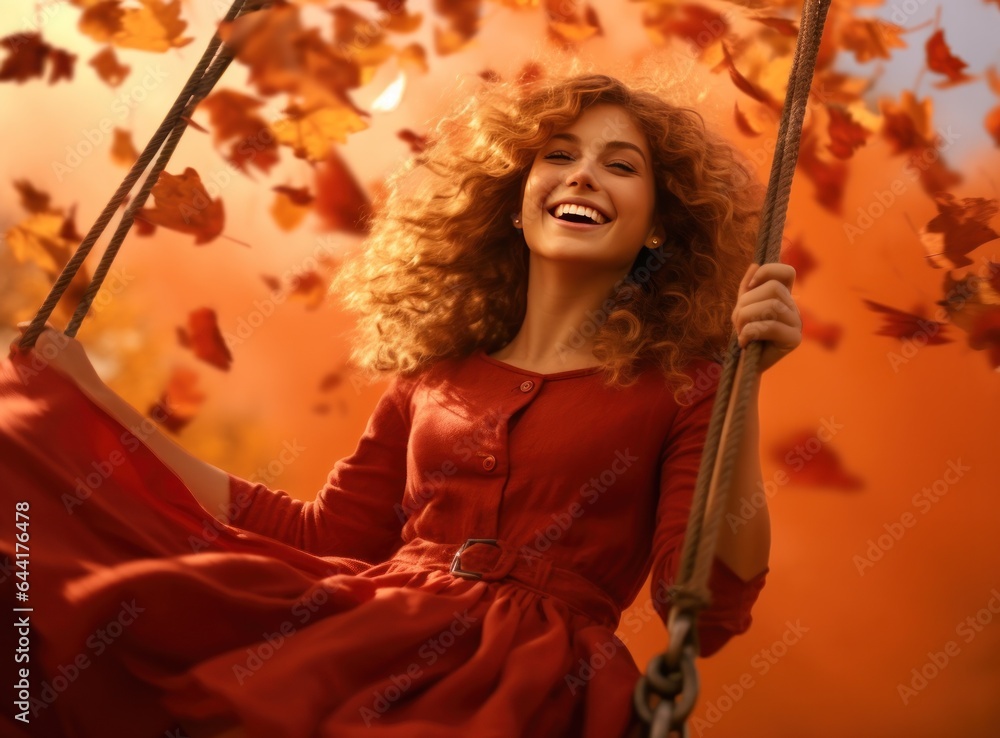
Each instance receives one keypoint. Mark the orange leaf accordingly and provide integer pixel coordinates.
(290, 206)
(904, 326)
(846, 134)
(784, 26)
(102, 21)
(183, 204)
(814, 462)
(941, 60)
(179, 402)
(340, 201)
(108, 68)
(700, 26)
(204, 338)
(870, 38)
(123, 152)
(154, 26)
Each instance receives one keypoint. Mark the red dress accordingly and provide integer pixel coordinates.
(350, 615)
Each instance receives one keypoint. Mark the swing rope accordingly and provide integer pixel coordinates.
(210, 67)
(673, 673)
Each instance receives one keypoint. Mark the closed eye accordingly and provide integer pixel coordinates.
(563, 155)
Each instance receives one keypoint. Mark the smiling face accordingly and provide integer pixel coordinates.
(590, 193)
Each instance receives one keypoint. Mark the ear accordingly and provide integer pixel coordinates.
(655, 237)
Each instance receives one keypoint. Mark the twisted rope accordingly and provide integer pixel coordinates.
(726, 426)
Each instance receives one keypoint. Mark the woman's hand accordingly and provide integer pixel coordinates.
(765, 311)
(63, 353)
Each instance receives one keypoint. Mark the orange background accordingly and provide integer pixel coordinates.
(861, 634)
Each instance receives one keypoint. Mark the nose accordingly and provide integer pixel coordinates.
(581, 173)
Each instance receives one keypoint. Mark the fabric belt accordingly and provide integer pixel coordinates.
(496, 559)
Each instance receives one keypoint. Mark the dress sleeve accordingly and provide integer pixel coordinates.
(732, 598)
(358, 512)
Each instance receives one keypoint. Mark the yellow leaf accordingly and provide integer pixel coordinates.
(156, 26)
(311, 134)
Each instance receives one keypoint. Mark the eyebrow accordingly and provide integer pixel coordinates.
(573, 138)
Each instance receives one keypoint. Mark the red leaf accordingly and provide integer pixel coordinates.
(204, 338)
(826, 334)
(846, 134)
(32, 200)
(179, 402)
(744, 85)
(959, 227)
(742, 123)
(814, 462)
(27, 54)
(340, 201)
(985, 335)
(183, 204)
(795, 254)
(941, 60)
(904, 326)
(830, 177)
(417, 142)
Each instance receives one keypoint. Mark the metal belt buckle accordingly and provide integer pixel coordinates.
(456, 563)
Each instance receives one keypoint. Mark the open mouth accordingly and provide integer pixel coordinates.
(579, 215)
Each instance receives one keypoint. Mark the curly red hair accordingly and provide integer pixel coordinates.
(442, 272)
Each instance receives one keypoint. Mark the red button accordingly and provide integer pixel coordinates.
(489, 462)
(526, 386)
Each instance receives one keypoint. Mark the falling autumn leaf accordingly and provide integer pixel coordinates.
(291, 205)
(123, 153)
(311, 134)
(743, 84)
(795, 254)
(814, 462)
(417, 142)
(826, 334)
(941, 60)
(310, 287)
(32, 200)
(340, 201)
(234, 119)
(108, 68)
(27, 56)
(985, 336)
(829, 177)
(153, 26)
(183, 204)
(871, 38)
(203, 337)
(959, 227)
(742, 123)
(906, 326)
(179, 402)
(846, 134)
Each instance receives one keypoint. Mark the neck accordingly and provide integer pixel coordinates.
(567, 303)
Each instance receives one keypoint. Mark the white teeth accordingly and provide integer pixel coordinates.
(580, 210)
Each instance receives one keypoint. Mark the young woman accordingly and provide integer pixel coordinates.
(549, 285)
